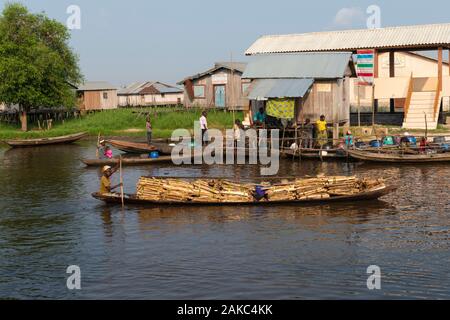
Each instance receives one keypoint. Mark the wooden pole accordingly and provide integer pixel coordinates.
(121, 182)
(98, 143)
(373, 106)
(359, 106)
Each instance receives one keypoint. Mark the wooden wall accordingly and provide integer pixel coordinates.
(94, 100)
(330, 98)
(233, 92)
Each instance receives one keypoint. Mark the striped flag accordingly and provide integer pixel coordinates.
(365, 66)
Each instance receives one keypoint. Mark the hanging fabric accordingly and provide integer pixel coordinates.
(281, 108)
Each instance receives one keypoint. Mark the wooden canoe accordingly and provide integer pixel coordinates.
(316, 154)
(132, 147)
(399, 157)
(46, 141)
(114, 198)
(135, 161)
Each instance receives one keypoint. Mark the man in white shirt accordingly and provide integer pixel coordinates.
(204, 126)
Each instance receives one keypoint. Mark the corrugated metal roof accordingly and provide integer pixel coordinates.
(236, 66)
(133, 88)
(163, 88)
(324, 65)
(279, 88)
(137, 87)
(96, 85)
(418, 36)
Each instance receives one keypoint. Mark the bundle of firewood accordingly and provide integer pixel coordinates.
(320, 188)
(223, 191)
(175, 190)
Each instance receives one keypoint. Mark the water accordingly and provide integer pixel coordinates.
(49, 221)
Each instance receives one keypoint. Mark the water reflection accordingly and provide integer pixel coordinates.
(48, 220)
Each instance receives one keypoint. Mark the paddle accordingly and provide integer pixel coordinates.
(98, 143)
(121, 181)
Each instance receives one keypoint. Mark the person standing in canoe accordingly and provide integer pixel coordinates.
(105, 181)
(149, 129)
(101, 147)
(204, 127)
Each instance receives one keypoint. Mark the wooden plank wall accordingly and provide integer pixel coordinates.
(329, 98)
(233, 92)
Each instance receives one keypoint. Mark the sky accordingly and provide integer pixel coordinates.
(167, 40)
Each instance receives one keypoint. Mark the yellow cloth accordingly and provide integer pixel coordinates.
(281, 108)
(105, 184)
(321, 125)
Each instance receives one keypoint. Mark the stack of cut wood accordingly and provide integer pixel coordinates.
(320, 188)
(175, 190)
(223, 191)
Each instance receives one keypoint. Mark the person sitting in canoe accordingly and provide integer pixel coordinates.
(108, 153)
(105, 181)
(348, 137)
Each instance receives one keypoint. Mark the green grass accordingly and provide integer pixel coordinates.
(123, 122)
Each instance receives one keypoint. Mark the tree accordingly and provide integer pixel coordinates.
(37, 65)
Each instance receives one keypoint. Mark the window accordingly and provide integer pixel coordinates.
(245, 86)
(163, 95)
(105, 95)
(199, 91)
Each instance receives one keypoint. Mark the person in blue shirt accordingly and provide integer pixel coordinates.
(348, 139)
(260, 118)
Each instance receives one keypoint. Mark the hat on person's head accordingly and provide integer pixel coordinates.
(102, 141)
(406, 134)
(105, 168)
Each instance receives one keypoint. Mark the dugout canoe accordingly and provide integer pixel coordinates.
(135, 161)
(46, 141)
(115, 198)
(398, 157)
(316, 154)
(132, 147)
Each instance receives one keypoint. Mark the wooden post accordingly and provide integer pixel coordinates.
(392, 75)
(121, 182)
(373, 106)
(440, 58)
(359, 106)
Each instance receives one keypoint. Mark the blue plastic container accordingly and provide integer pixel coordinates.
(412, 140)
(445, 147)
(375, 144)
(154, 155)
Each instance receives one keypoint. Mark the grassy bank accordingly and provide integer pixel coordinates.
(126, 122)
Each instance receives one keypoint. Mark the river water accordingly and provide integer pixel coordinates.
(48, 221)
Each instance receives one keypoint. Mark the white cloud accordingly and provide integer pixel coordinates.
(347, 17)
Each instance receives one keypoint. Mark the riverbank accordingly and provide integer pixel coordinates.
(125, 123)
(131, 123)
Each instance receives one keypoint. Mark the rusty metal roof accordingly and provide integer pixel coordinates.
(417, 36)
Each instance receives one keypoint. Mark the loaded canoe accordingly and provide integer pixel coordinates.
(115, 198)
(399, 157)
(46, 141)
